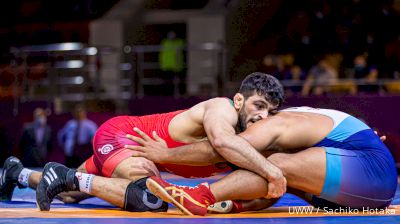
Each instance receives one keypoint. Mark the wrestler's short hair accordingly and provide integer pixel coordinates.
(263, 84)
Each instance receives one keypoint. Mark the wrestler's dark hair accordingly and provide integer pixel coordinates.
(264, 85)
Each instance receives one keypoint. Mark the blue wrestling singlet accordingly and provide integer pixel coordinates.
(360, 170)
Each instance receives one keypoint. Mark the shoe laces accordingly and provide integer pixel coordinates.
(190, 187)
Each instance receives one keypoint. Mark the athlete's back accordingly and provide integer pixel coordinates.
(176, 128)
(342, 127)
(352, 150)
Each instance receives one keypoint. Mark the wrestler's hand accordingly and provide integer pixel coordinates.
(383, 137)
(276, 184)
(155, 149)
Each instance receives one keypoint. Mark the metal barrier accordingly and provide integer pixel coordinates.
(75, 71)
(146, 69)
(53, 72)
(72, 72)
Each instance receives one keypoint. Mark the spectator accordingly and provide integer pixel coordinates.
(269, 65)
(171, 60)
(294, 78)
(366, 75)
(76, 138)
(285, 63)
(35, 142)
(171, 54)
(319, 79)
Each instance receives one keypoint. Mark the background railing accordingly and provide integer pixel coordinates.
(144, 70)
(74, 72)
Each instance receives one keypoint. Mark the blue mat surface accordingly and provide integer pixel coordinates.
(25, 198)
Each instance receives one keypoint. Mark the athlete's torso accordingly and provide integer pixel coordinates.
(161, 123)
(149, 123)
(335, 115)
(347, 132)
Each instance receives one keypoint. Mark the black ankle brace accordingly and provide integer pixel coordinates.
(139, 199)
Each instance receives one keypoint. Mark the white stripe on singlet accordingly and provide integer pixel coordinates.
(336, 116)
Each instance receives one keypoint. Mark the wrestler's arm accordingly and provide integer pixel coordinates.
(262, 136)
(196, 154)
(219, 124)
(266, 134)
(155, 149)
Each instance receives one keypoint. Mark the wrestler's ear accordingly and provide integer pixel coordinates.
(238, 101)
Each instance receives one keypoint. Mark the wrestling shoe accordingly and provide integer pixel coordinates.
(56, 178)
(190, 200)
(9, 178)
(222, 207)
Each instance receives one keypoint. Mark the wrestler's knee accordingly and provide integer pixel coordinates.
(147, 166)
(139, 199)
(134, 167)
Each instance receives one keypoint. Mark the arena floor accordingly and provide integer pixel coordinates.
(289, 209)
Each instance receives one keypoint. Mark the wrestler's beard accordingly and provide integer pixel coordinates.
(242, 124)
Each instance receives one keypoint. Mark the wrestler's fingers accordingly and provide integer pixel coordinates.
(137, 148)
(138, 154)
(383, 137)
(157, 138)
(142, 134)
(135, 139)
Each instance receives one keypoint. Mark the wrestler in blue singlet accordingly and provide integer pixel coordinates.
(360, 170)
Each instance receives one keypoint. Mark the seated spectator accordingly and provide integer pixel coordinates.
(285, 64)
(269, 65)
(35, 142)
(393, 86)
(319, 79)
(365, 75)
(295, 77)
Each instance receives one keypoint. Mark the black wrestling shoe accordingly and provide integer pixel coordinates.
(9, 178)
(56, 178)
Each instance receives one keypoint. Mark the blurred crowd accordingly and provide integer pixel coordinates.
(315, 47)
(338, 46)
(328, 75)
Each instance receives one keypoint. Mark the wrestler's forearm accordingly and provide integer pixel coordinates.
(238, 151)
(196, 154)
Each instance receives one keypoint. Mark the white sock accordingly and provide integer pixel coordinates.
(23, 177)
(85, 181)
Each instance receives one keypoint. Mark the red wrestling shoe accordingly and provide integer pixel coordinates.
(190, 200)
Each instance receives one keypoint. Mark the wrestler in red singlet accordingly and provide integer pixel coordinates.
(109, 142)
